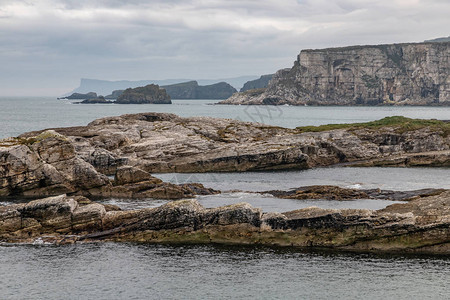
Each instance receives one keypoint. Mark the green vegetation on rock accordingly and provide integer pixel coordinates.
(402, 124)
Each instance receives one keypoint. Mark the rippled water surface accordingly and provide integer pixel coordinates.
(131, 271)
(19, 115)
(134, 271)
(400, 179)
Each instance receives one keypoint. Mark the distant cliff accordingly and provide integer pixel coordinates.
(191, 90)
(396, 74)
(151, 93)
(106, 87)
(259, 83)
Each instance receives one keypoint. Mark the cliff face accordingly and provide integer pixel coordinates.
(401, 74)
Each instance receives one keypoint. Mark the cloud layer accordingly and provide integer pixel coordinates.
(47, 45)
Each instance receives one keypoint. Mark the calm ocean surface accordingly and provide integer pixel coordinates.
(18, 115)
(131, 271)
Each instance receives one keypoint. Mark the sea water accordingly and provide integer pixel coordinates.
(134, 271)
(22, 114)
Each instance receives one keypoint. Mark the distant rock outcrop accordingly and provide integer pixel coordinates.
(115, 94)
(259, 83)
(78, 96)
(105, 87)
(98, 100)
(396, 74)
(191, 90)
(151, 93)
(439, 40)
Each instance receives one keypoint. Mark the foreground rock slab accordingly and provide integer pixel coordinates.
(419, 226)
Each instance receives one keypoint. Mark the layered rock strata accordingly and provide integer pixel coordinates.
(48, 164)
(419, 226)
(77, 159)
(395, 74)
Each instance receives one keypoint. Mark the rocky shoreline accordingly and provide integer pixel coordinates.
(419, 226)
(115, 157)
(78, 160)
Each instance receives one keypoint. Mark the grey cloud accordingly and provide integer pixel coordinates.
(66, 40)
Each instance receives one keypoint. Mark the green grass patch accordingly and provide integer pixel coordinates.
(402, 124)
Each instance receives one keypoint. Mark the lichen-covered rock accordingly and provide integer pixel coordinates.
(396, 74)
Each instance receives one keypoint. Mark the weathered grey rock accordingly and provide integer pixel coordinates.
(331, 192)
(128, 174)
(76, 159)
(47, 164)
(420, 226)
(158, 142)
(396, 74)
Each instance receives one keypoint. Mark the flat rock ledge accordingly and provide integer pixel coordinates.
(419, 226)
(332, 192)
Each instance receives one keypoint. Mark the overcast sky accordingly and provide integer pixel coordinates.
(46, 46)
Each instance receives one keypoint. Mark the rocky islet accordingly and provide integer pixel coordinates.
(115, 156)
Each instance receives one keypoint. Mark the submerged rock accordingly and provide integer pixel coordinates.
(419, 226)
